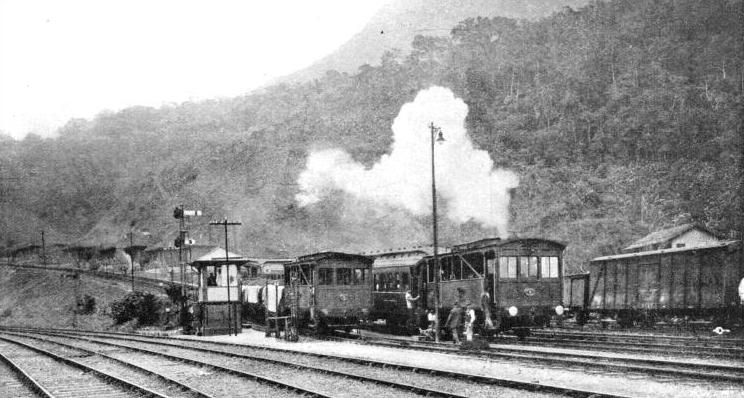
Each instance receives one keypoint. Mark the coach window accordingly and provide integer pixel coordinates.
(508, 267)
(491, 265)
(306, 275)
(457, 267)
(376, 278)
(549, 267)
(524, 266)
(554, 267)
(359, 276)
(405, 280)
(325, 276)
(343, 276)
(397, 281)
(430, 271)
(528, 267)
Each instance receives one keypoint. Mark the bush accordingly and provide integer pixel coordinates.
(144, 307)
(6, 313)
(86, 305)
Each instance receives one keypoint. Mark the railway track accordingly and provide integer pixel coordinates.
(680, 370)
(49, 374)
(374, 377)
(714, 341)
(662, 345)
(16, 382)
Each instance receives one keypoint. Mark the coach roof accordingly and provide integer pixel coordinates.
(333, 255)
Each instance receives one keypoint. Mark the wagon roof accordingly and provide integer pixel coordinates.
(483, 243)
(712, 245)
(333, 255)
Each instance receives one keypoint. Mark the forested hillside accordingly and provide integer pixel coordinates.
(619, 118)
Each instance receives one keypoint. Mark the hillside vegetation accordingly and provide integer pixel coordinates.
(49, 299)
(619, 118)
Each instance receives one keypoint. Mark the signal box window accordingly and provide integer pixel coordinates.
(343, 276)
(325, 276)
(507, 267)
(549, 267)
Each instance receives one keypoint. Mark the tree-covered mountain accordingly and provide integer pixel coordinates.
(619, 117)
(397, 22)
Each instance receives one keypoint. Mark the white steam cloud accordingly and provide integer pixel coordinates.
(465, 177)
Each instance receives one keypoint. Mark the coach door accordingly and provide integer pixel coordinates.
(492, 275)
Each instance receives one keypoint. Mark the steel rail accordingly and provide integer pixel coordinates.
(98, 373)
(251, 376)
(632, 346)
(26, 378)
(402, 386)
(603, 335)
(486, 380)
(643, 365)
(121, 361)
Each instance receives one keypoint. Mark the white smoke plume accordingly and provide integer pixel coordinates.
(471, 188)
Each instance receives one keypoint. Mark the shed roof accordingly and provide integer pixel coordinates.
(217, 256)
(271, 265)
(665, 235)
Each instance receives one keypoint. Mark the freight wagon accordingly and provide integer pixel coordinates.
(675, 285)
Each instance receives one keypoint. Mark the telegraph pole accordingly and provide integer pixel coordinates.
(227, 262)
(131, 255)
(43, 249)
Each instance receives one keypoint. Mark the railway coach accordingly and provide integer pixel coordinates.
(513, 284)
(334, 289)
(395, 272)
(697, 284)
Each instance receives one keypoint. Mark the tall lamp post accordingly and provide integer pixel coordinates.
(435, 131)
(131, 255)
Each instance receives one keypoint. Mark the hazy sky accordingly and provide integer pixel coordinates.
(75, 58)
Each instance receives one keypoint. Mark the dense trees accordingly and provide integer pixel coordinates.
(619, 118)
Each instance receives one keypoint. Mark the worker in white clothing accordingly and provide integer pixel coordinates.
(410, 299)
